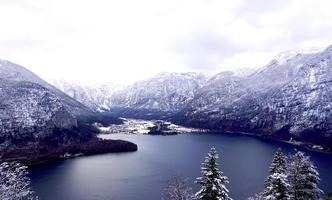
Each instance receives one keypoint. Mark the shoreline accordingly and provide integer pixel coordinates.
(43, 154)
(305, 145)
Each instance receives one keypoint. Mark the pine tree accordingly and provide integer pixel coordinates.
(212, 181)
(276, 184)
(14, 182)
(303, 178)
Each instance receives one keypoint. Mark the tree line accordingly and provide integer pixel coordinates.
(292, 177)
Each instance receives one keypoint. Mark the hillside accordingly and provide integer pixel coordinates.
(35, 115)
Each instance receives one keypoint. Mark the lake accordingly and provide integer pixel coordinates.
(142, 175)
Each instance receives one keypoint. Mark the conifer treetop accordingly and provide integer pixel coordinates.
(213, 182)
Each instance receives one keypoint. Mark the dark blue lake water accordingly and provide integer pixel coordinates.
(142, 175)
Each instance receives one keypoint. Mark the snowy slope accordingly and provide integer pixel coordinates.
(164, 93)
(96, 97)
(32, 111)
(290, 97)
(14, 72)
(169, 92)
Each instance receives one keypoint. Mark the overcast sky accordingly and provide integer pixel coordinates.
(125, 40)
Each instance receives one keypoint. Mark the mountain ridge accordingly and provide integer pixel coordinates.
(284, 100)
(288, 98)
(40, 123)
(15, 72)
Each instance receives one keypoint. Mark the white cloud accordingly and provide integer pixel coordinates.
(123, 41)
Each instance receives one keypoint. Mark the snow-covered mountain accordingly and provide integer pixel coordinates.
(163, 94)
(13, 72)
(33, 111)
(246, 71)
(289, 98)
(96, 97)
(166, 92)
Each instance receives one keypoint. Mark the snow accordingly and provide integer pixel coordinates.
(136, 126)
(130, 126)
(284, 57)
(97, 97)
(14, 182)
(28, 105)
(294, 91)
(31, 108)
(212, 181)
(164, 92)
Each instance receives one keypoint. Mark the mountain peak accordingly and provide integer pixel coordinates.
(13, 72)
(179, 74)
(285, 56)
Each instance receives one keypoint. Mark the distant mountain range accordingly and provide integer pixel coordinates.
(291, 97)
(162, 95)
(96, 97)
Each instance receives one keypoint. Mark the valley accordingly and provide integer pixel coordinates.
(286, 104)
(288, 99)
(149, 127)
(170, 100)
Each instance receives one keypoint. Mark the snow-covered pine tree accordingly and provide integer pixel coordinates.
(276, 184)
(213, 182)
(303, 177)
(14, 182)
